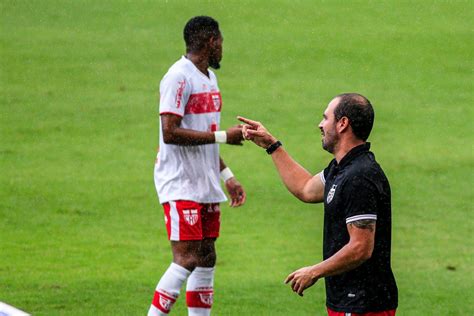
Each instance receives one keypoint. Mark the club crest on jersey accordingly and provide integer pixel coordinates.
(206, 298)
(191, 216)
(216, 100)
(331, 193)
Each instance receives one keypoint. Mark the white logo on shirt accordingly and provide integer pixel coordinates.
(331, 193)
(190, 216)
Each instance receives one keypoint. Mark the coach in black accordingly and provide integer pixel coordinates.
(357, 210)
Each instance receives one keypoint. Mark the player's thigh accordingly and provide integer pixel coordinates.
(186, 253)
(186, 248)
(208, 246)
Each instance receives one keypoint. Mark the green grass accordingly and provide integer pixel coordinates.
(81, 231)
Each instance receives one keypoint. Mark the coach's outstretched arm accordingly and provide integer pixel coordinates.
(298, 180)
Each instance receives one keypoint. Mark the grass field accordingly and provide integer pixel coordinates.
(81, 231)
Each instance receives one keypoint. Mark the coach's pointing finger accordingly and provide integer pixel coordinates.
(256, 132)
(249, 121)
(289, 277)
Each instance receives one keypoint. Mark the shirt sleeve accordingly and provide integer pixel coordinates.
(174, 94)
(361, 200)
(325, 173)
(323, 177)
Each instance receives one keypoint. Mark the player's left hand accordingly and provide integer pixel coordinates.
(236, 192)
(302, 279)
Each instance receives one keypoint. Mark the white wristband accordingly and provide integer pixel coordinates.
(226, 174)
(221, 137)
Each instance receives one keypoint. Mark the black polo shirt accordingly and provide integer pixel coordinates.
(357, 189)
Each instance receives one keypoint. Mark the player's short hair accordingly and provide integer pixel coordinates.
(358, 110)
(198, 31)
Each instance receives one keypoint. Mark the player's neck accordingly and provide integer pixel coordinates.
(200, 61)
(344, 146)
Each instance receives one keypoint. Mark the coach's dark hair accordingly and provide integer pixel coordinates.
(198, 31)
(358, 110)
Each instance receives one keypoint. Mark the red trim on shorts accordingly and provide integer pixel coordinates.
(200, 299)
(382, 313)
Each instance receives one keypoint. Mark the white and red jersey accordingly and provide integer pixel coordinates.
(189, 172)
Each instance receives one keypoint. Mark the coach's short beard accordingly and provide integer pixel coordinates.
(330, 144)
(328, 147)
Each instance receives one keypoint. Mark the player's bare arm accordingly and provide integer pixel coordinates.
(234, 188)
(353, 254)
(298, 180)
(173, 133)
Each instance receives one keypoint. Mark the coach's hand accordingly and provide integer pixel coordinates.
(256, 132)
(234, 135)
(302, 279)
(236, 192)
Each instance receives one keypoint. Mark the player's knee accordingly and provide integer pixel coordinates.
(211, 259)
(208, 260)
(187, 261)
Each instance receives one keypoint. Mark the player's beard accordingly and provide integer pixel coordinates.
(214, 63)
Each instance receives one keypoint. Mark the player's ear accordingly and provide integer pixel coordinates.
(211, 42)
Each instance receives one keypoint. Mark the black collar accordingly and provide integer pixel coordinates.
(354, 152)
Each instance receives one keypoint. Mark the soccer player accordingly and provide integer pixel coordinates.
(188, 168)
(357, 210)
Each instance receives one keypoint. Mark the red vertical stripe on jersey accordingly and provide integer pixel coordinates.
(199, 103)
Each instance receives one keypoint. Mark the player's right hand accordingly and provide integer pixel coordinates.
(234, 135)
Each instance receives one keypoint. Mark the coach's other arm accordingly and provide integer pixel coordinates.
(353, 254)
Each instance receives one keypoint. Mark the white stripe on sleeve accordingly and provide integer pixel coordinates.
(321, 175)
(360, 217)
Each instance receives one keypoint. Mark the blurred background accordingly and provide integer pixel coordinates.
(81, 229)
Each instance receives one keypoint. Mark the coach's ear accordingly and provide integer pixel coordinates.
(343, 125)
